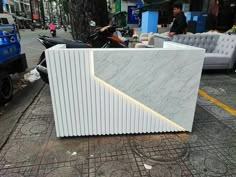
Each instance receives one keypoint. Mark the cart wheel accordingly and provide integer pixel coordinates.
(6, 88)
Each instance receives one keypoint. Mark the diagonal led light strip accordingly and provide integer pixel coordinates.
(128, 97)
(138, 103)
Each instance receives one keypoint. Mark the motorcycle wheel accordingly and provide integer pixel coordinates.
(6, 88)
(44, 76)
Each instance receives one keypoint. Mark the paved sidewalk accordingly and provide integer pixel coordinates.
(24, 92)
(223, 88)
(11, 114)
(33, 150)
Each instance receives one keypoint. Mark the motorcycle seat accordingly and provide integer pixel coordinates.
(69, 43)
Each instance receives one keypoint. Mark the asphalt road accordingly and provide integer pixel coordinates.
(31, 46)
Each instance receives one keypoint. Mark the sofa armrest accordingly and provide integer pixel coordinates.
(143, 37)
(217, 60)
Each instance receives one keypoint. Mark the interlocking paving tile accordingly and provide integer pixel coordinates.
(161, 154)
(43, 110)
(228, 151)
(66, 149)
(153, 168)
(45, 99)
(31, 171)
(111, 156)
(115, 164)
(162, 148)
(22, 152)
(202, 116)
(43, 115)
(33, 128)
(196, 139)
(231, 124)
(209, 162)
(33, 149)
(65, 169)
(107, 145)
(216, 132)
(115, 168)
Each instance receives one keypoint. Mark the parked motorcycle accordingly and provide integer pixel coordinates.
(126, 31)
(102, 38)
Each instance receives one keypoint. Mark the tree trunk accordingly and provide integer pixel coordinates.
(50, 11)
(57, 12)
(31, 11)
(83, 11)
(42, 12)
(39, 13)
(1, 6)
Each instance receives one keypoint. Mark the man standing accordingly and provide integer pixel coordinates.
(179, 25)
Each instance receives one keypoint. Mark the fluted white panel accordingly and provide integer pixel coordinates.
(85, 105)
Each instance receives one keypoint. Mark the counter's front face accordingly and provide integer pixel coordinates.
(165, 81)
(115, 91)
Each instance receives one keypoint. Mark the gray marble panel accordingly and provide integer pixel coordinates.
(165, 80)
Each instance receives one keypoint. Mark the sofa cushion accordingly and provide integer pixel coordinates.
(216, 59)
(151, 40)
(226, 45)
(220, 48)
(143, 37)
(145, 42)
(205, 41)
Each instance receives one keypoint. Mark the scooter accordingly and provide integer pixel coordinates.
(53, 33)
(102, 38)
(126, 31)
(32, 27)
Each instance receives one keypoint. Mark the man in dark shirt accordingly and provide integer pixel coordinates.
(179, 25)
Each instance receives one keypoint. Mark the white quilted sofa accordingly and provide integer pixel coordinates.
(220, 48)
(146, 39)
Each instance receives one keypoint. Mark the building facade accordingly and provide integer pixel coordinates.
(221, 13)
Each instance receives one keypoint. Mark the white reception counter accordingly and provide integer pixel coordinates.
(121, 91)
